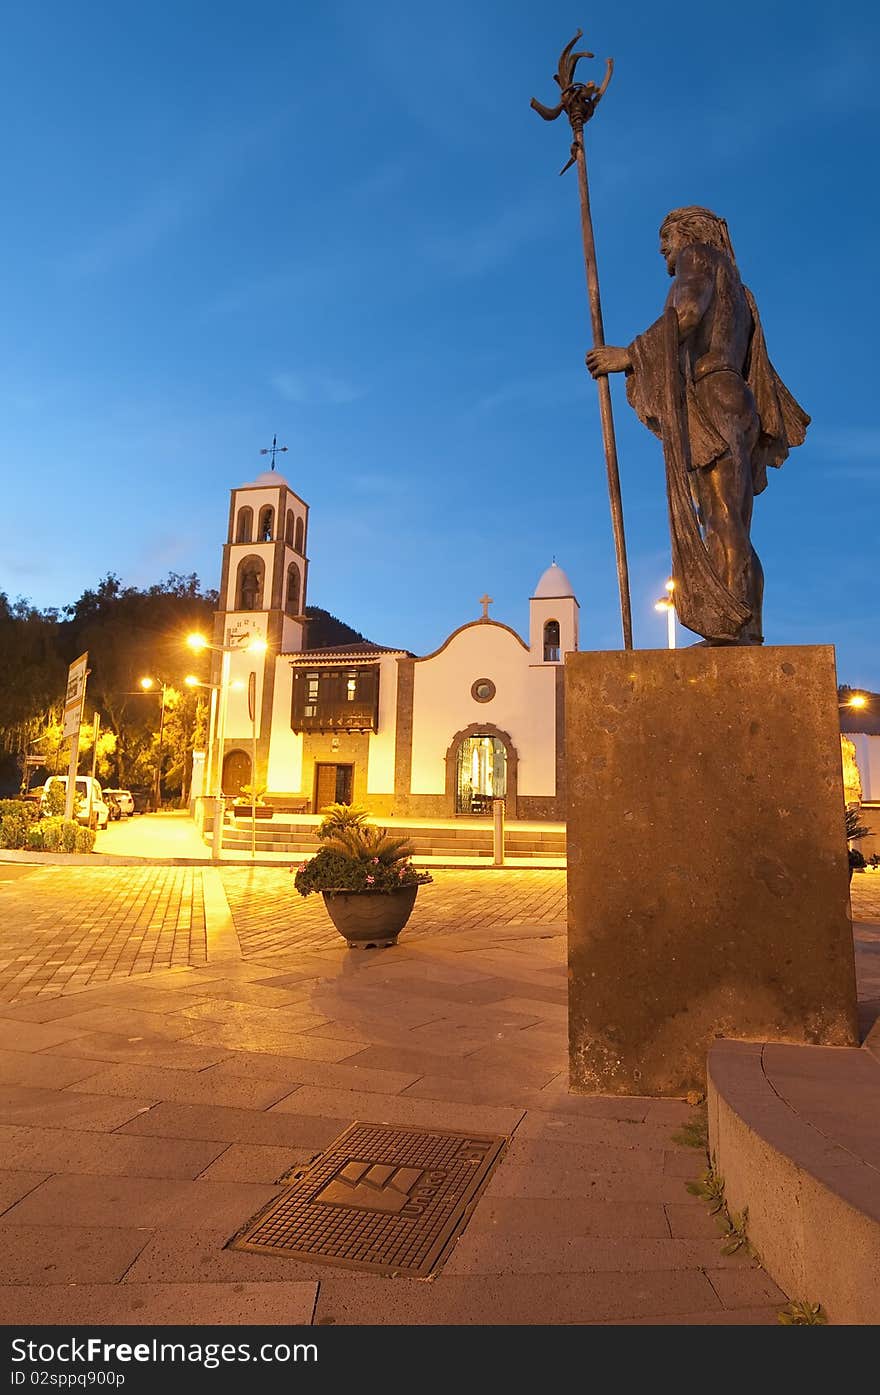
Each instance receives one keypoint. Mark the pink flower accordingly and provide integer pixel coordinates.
(375, 862)
(370, 880)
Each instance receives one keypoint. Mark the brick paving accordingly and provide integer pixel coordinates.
(271, 917)
(64, 928)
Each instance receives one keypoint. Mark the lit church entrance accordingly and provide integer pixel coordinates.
(481, 774)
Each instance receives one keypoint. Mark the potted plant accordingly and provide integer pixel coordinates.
(249, 800)
(365, 875)
(854, 831)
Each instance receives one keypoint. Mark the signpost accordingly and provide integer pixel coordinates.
(73, 711)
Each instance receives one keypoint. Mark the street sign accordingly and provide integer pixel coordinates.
(252, 695)
(76, 691)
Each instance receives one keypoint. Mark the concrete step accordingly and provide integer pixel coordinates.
(793, 1132)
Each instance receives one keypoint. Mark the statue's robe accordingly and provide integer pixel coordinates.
(703, 382)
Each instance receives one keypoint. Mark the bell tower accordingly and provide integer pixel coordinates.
(262, 598)
(553, 618)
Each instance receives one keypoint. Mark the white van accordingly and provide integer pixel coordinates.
(90, 806)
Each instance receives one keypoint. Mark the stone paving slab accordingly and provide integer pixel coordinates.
(68, 1254)
(197, 1304)
(138, 1201)
(146, 1083)
(104, 1155)
(529, 1299)
(214, 1122)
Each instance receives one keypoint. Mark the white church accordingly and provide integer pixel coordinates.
(421, 737)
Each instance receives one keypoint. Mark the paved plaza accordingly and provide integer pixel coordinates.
(173, 1040)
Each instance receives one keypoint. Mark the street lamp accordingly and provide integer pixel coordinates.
(856, 700)
(148, 684)
(666, 603)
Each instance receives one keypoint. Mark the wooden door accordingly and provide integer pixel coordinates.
(344, 783)
(325, 786)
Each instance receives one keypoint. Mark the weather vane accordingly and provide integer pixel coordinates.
(579, 101)
(273, 450)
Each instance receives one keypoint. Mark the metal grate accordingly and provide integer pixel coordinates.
(386, 1199)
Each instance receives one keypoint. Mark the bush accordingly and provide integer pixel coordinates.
(360, 857)
(85, 839)
(16, 817)
(25, 809)
(35, 837)
(338, 817)
(55, 834)
(55, 799)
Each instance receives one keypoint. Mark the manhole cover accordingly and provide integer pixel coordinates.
(379, 1198)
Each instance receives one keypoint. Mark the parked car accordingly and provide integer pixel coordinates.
(113, 805)
(124, 799)
(142, 798)
(89, 805)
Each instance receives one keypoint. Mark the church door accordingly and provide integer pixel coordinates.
(236, 771)
(334, 784)
(481, 774)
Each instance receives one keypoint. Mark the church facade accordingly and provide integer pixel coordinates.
(439, 735)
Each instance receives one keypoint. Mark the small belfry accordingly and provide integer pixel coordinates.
(553, 618)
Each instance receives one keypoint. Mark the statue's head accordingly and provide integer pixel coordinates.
(684, 226)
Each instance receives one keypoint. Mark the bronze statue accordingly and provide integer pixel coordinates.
(700, 379)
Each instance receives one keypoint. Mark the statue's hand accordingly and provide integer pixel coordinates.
(608, 360)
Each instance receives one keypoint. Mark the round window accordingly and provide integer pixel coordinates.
(483, 690)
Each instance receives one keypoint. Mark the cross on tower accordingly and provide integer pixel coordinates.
(485, 602)
(273, 450)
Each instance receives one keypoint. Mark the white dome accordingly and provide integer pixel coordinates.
(553, 584)
(268, 477)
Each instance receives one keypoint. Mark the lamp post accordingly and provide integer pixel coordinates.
(666, 603)
(856, 701)
(220, 696)
(148, 684)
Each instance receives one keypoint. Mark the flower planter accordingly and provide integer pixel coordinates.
(370, 919)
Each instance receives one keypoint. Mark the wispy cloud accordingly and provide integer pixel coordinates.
(162, 209)
(474, 250)
(317, 389)
(848, 452)
(538, 392)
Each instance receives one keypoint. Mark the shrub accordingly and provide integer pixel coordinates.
(360, 857)
(16, 817)
(55, 799)
(338, 817)
(85, 839)
(35, 837)
(25, 809)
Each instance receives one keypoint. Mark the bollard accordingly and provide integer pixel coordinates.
(498, 832)
(217, 831)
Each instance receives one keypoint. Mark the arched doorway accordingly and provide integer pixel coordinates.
(236, 771)
(481, 773)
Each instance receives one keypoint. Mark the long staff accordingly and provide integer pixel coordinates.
(579, 100)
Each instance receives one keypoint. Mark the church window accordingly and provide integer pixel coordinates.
(551, 642)
(249, 584)
(293, 590)
(288, 528)
(245, 523)
(300, 531)
(265, 530)
(483, 690)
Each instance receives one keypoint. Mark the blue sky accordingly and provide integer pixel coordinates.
(344, 224)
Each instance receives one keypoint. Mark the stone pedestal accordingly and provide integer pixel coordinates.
(708, 879)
